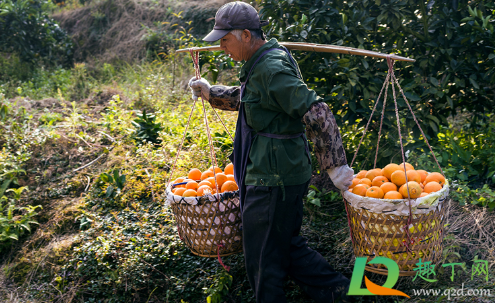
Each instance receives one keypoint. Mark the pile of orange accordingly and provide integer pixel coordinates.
(390, 182)
(200, 183)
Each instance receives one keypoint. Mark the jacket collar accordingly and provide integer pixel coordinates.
(273, 43)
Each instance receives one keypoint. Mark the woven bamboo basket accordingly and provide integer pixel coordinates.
(209, 225)
(385, 234)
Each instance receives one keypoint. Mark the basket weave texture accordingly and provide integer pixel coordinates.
(385, 235)
(206, 224)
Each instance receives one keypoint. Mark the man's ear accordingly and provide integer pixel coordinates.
(246, 35)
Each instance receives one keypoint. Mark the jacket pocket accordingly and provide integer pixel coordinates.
(254, 112)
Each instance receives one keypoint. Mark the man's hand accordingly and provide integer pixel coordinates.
(341, 176)
(200, 88)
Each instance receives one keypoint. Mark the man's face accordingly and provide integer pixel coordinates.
(232, 47)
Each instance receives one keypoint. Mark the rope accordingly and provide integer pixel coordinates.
(417, 123)
(372, 112)
(181, 143)
(381, 123)
(390, 63)
(195, 58)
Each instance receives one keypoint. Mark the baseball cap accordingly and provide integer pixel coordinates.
(234, 15)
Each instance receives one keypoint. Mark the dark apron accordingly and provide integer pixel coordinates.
(244, 135)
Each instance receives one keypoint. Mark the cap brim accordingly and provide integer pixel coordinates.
(216, 34)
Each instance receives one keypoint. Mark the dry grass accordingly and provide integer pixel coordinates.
(109, 30)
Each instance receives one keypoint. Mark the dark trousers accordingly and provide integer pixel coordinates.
(273, 248)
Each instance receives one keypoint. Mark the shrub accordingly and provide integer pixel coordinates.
(26, 29)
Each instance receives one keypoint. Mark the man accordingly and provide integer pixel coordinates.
(272, 164)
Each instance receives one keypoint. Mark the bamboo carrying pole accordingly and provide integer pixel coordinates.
(323, 48)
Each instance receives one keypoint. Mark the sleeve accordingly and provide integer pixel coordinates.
(225, 97)
(290, 94)
(322, 130)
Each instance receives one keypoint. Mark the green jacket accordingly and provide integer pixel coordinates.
(275, 102)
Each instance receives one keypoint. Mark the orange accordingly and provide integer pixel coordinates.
(423, 174)
(413, 175)
(361, 174)
(414, 190)
(355, 182)
(432, 186)
(374, 192)
(371, 174)
(190, 193)
(221, 178)
(378, 181)
(388, 186)
(179, 180)
(423, 194)
(194, 174)
(435, 177)
(398, 177)
(206, 174)
(192, 185)
(229, 186)
(230, 177)
(205, 182)
(365, 181)
(212, 181)
(392, 195)
(229, 169)
(408, 166)
(217, 169)
(389, 169)
(202, 190)
(360, 189)
(179, 191)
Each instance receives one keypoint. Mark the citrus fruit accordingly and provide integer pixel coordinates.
(179, 180)
(432, 186)
(360, 189)
(192, 185)
(414, 190)
(392, 195)
(202, 190)
(205, 182)
(423, 174)
(423, 194)
(408, 166)
(221, 178)
(206, 174)
(229, 169)
(389, 169)
(212, 181)
(374, 192)
(179, 191)
(398, 177)
(435, 177)
(190, 193)
(365, 181)
(361, 174)
(388, 186)
(217, 169)
(413, 175)
(229, 186)
(194, 174)
(230, 177)
(379, 180)
(355, 182)
(371, 174)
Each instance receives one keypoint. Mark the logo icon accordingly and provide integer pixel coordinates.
(372, 288)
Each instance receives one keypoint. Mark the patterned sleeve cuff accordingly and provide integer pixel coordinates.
(225, 97)
(322, 130)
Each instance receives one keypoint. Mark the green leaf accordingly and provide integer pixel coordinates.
(474, 83)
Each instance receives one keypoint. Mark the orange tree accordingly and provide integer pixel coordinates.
(453, 44)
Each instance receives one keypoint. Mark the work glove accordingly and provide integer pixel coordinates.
(341, 176)
(200, 88)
